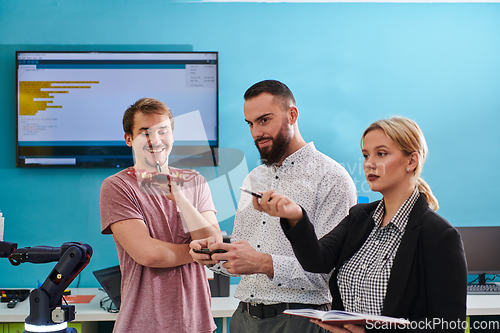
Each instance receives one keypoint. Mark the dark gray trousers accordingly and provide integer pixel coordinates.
(242, 322)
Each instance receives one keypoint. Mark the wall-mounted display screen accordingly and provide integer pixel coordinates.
(70, 105)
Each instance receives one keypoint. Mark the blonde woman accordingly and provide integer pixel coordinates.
(394, 257)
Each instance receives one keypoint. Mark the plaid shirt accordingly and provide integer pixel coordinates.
(363, 279)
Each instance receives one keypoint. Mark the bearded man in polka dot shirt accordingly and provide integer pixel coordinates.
(272, 279)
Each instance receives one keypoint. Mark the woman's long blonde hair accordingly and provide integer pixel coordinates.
(408, 136)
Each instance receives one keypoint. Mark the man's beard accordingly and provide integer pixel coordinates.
(274, 154)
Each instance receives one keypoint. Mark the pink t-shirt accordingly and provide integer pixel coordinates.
(173, 299)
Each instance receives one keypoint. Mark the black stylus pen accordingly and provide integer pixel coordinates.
(258, 195)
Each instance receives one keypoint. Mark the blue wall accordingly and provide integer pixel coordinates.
(347, 64)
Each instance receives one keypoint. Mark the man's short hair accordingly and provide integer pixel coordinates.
(145, 105)
(276, 88)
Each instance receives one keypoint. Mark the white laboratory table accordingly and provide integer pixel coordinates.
(222, 307)
(91, 313)
(483, 305)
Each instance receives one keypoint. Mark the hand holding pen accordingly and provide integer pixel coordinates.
(276, 204)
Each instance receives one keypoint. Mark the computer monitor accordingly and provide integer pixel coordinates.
(110, 279)
(70, 105)
(482, 250)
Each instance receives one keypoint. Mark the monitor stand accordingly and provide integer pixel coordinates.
(481, 279)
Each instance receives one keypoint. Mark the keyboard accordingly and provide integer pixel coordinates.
(483, 289)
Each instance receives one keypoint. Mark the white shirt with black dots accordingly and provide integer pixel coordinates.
(326, 192)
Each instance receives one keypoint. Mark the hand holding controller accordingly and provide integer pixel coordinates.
(207, 251)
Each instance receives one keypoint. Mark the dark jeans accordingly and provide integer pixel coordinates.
(242, 322)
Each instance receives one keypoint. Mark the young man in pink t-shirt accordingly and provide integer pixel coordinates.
(153, 219)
